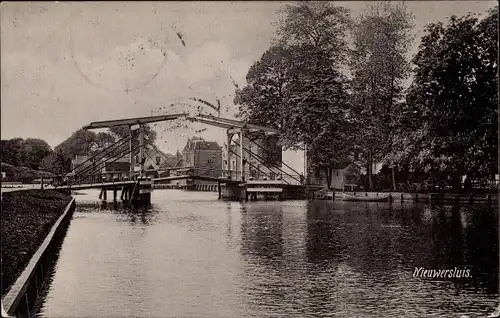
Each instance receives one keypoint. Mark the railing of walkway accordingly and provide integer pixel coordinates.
(90, 171)
(236, 175)
(95, 174)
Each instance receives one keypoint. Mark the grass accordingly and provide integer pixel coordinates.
(27, 217)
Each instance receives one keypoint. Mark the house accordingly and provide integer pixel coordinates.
(79, 163)
(344, 176)
(105, 168)
(117, 169)
(203, 155)
(155, 161)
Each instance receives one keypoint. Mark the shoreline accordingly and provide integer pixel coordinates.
(27, 217)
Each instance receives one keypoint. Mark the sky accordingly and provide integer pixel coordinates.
(66, 64)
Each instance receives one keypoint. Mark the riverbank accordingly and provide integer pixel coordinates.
(415, 197)
(27, 217)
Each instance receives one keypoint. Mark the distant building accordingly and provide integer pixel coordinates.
(79, 163)
(155, 161)
(344, 176)
(118, 169)
(203, 155)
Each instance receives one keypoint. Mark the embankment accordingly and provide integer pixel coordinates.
(27, 217)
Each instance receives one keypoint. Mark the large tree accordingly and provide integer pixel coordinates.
(298, 86)
(123, 132)
(29, 153)
(379, 66)
(450, 119)
(262, 101)
(33, 151)
(318, 108)
(11, 151)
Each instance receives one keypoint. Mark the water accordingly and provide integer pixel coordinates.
(194, 256)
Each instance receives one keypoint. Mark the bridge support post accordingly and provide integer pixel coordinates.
(104, 194)
(242, 168)
(131, 159)
(142, 150)
(228, 153)
(219, 189)
(115, 190)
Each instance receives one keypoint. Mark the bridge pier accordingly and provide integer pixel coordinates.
(141, 193)
(104, 194)
(114, 194)
(122, 195)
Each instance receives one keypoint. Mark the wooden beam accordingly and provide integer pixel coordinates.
(210, 122)
(239, 124)
(133, 121)
(234, 131)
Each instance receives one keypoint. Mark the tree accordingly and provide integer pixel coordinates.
(262, 100)
(33, 151)
(318, 108)
(104, 140)
(124, 132)
(379, 66)
(450, 119)
(298, 87)
(11, 151)
(81, 142)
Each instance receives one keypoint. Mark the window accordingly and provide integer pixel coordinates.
(337, 173)
(158, 159)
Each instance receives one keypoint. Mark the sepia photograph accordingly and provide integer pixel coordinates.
(249, 159)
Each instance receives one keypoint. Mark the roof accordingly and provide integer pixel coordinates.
(206, 145)
(172, 162)
(199, 143)
(344, 164)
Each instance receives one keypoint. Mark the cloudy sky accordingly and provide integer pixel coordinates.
(64, 65)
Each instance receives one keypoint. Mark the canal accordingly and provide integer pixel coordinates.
(192, 255)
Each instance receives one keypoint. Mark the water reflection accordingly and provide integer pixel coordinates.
(326, 241)
(191, 255)
(261, 232)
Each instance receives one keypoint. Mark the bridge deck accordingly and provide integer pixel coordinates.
(205, 178)
(92, 185)
(124, 183)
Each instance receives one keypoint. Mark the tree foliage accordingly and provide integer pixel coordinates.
(28, 153)
(298, 86)
(379, 68)
(449, 122)
(33, 151)
(262, 100)
(120, 132)
(11, 151)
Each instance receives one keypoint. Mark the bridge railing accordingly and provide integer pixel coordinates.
(295, 179)
(99, 178)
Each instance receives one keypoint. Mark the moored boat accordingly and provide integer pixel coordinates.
(365, 198)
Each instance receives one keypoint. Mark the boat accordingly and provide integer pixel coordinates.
(365, 198)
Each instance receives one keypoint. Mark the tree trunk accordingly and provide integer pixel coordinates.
(393, 178)
(457, 182)
(370, 170)
(328, 172)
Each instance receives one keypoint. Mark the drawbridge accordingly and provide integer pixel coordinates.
(88, 174)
